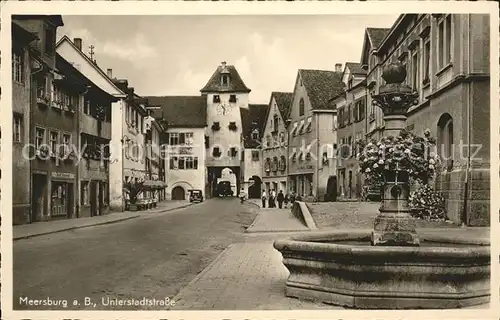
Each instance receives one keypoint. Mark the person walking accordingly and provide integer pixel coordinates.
(242, 195)
(292, 198)
(280, 198)
(286, 200)
(263, 197)
(273, 196)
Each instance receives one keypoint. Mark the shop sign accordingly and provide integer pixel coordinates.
(65, 175)
(305, 167)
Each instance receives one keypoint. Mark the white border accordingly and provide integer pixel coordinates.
(236, 8)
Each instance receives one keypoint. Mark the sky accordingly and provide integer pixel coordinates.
(176, 55)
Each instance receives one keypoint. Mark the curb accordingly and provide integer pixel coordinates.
(74, 228)
(203, 272)
(307, 216)
(96, 224)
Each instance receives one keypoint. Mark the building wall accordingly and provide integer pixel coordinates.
(327, 151)
(21, 188)
(116, 168)
(350, 178)
(187, 178)
(224, 138)
(273, 146)
(459, 89)
(301, 142)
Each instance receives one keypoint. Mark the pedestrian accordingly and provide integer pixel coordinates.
(286, 200)
(280, 198)
(273, 196)
(263, 197)
(242, 195)
(292, 198)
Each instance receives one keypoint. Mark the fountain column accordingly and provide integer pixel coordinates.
(394, 225)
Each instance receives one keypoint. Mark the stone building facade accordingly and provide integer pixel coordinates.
(21, 100)
(311, 107)
(447, 58)
(275, 143)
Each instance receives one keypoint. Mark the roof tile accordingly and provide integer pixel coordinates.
(181, 111)
(321, 87)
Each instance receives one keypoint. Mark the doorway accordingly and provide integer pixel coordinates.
(331, 189)
(178, 193)
(93, 198)
(255, 189)
(38, 197)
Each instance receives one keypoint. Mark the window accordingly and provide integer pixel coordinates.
(86, 107)
(275, 123)
(216, 98)
(445, 140)
(66, 139)
(427, 59)
(415, 74)
(444, 41)
(349, 83)
(174, 163)
(40, 137)
(233, 152)
(232, 98)
(225, 80)
(216, 152)
(309, 124)
(182, 163)
(85, 193)
(191, 162)
(50, 41)
(17, 67)
(174, 139)
(54, 136)
(255, 134)
(334, 122)
(301, 107)
(255, 155)
(188, 138)
(17, 128)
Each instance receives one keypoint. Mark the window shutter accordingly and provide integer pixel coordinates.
(195, 163)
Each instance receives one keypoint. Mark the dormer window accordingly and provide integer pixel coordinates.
(225, 80)
(255, 134)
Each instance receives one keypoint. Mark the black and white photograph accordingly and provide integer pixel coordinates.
(326, 161)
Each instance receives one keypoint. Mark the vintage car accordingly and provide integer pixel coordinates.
(195, 195)
(224, 189)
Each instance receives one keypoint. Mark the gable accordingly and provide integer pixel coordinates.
(273, 111)
(299, 91)
(82, 63)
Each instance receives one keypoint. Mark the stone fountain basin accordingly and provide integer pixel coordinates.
(344, 269)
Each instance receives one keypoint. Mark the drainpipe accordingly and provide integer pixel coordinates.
(318, 157)
(31, 112)
(469, 120)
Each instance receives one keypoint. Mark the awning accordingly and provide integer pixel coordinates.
(154, 184)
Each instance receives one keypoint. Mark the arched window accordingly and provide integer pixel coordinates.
(445, 140)
(301, 107)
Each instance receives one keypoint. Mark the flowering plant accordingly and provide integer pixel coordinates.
(427, 204)
(405, 152)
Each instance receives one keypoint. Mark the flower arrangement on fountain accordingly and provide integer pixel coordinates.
(405, 152)
(427, 204)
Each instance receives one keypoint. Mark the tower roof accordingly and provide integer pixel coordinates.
(235, 83)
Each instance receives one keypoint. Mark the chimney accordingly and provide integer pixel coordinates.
(338, 67)
(110, 73)
(78, 43)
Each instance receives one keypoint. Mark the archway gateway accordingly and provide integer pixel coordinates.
(178, 193)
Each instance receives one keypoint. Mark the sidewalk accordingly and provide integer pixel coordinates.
(42, 228)
(251, 276)
(276, 220)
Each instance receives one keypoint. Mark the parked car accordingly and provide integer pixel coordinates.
(224, 189)
(195, 195)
